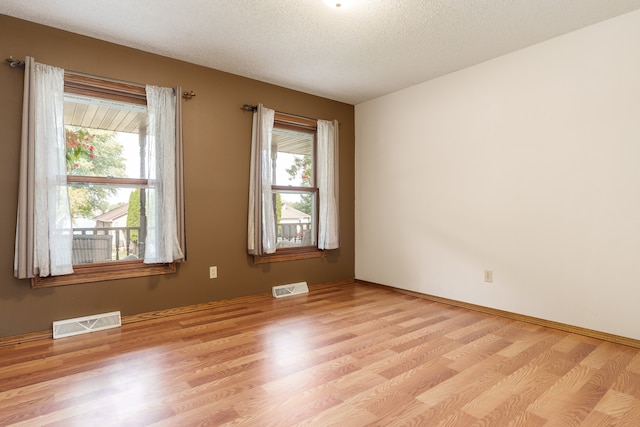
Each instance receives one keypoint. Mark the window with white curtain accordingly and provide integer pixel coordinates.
(108, 163)
(293, 210)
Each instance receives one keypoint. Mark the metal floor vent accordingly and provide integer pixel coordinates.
(290, 289)
(83, 325)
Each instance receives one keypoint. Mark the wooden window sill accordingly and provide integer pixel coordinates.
(281, 256)
(104, 271)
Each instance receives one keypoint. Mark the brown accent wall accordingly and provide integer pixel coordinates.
(217, 149)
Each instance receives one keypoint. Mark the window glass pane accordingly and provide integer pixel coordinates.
(105, 139)
(295, 219)
(113, 235)
(292, 153)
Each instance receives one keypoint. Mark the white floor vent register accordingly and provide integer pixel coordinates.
(290, 289)
(84, 325)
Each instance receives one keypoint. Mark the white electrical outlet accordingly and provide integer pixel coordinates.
(488, 276)
(213, 272)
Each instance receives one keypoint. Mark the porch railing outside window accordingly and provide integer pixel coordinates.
(294, 233)
(103, 244)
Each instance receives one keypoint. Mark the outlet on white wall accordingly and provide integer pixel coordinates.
(488, 276)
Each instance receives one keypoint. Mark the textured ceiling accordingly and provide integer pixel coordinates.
(353, 54)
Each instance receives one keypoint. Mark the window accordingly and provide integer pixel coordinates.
(106, 165)
(292, 201)
(295, 192)
(105, 213)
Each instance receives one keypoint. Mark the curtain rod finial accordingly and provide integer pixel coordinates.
(14, 63)
(188, 95)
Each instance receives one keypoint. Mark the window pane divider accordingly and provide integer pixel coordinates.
(107, 180)
(294, 189)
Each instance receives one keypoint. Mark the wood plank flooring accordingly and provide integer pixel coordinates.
(349, 355)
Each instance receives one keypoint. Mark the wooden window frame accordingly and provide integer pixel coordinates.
(100, 272)
(300, 124)
(81, 84)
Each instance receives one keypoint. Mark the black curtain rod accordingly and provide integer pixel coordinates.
(16, 63)
(253, 108)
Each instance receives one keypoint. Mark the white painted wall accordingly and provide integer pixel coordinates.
(528, 165)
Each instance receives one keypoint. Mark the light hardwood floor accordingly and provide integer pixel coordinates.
(349, 355)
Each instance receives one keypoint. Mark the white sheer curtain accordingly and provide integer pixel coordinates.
(261, 224)
(161, 244)
(43, 229)
(328, 184)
